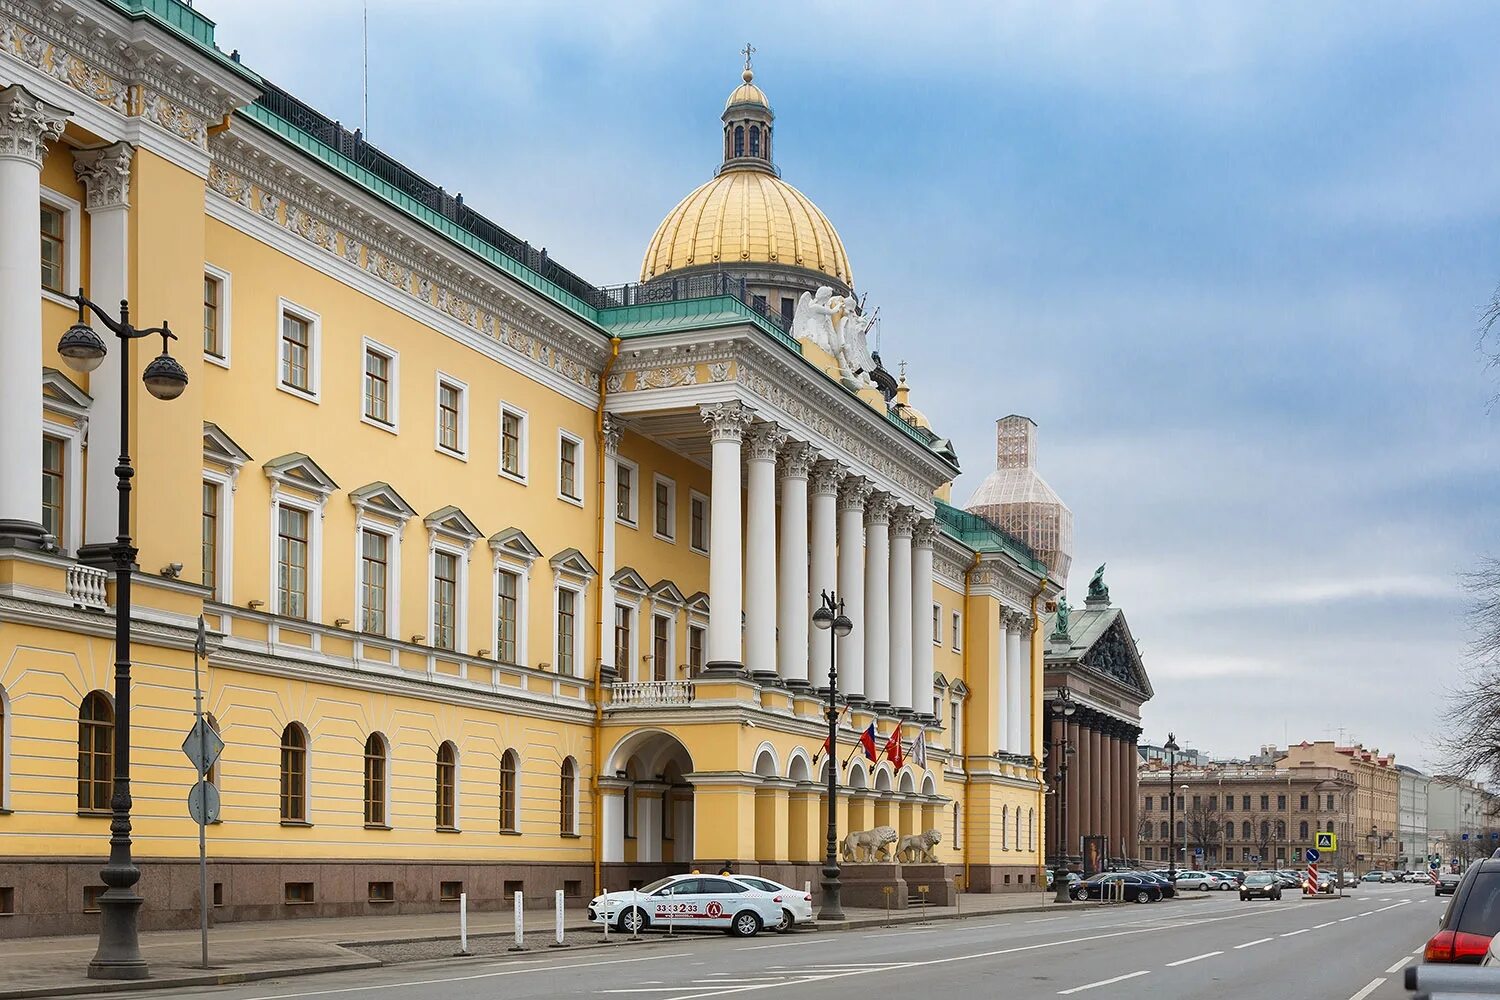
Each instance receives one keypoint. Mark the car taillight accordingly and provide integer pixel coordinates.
(1457, 947)
(776, 899)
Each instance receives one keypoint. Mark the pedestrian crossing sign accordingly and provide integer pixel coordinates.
(1327, 842)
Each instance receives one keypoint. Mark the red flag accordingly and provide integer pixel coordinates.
(824, 748)
(867, 740)
(893, 748)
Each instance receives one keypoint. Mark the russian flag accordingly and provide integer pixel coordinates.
(867, 740)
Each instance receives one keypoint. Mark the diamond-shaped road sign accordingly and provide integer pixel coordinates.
(202, 746)
(1327, 842)
(203, 803)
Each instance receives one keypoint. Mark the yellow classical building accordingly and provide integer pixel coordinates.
(507, 576)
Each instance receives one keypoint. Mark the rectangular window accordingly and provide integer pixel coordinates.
(299, 892)
(213, 333)
(567, 467)
(1245, 803)
(374, 582)
(623, 616)
(937, 624)
(1265, 802)
(54, 487)
(567, 612)
(788, 310)
(698, 527)
(1302, 803)
(448, 892)
(291, 562)
(451, 436)
(54, 249)
(296, 353)
(512, 442)
(378, 387)
(664, 503)
(508, 585)
(381, 892)
(625, 493)
(444, 600)
(1150, 802)
(958, 728)
(958, 630)
(695, 636)
(1281, 802)
(661, 648)
(210, 538)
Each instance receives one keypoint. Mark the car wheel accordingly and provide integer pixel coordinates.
(1203, 886)
(787, 920)
(745, 924)
(1142, 896)
(632, 921)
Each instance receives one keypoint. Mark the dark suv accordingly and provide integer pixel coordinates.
(1472, 918)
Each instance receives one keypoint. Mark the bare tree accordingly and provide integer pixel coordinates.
(1489, 321)
(1203, 826)
(1471, 744)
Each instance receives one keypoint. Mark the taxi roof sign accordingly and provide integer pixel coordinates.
(1327, 842)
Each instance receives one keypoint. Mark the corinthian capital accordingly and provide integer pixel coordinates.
(903, 521)
(726, 421)
(826, 475)
(797, 460)
(105, 174)
(765, 442)
(878, 510)
(27, 124)
(612, 431)
(853, 493)
(925, 535)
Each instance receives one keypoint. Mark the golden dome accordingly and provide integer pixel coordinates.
(747, 93)
(746, 216)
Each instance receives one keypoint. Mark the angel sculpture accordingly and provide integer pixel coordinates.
(813, 319)
(853, 349)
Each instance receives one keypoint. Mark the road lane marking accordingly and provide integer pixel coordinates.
(1295, 933)
(461, 979)
(1420, 950)
(1252, 944)
(1344, 920)
(1374, 985)
(784, 944)
(1318, 927)
(1045, 920)
(1104, 982)
(1195, 958)
(1398, 965)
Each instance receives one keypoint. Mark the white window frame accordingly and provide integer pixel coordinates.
(393, 534)
(224, 547)
(72, 273)
(695, 497)
(226, 299)
(579, 591)
(462, 454)
(314, 511)
(632, 655)
(956, 707)
(578, 460)
(71, 434)
(458, 774)
(635, 493)
(577, 784)
(460, 599)
(657, 479)
(393, 356)
(524, 459)
(958, 631)
(670, 617)
(701, 626)
(937, 624)
(522, 570)
(314, 321)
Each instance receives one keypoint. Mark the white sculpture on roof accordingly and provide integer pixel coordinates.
(853, 354)
(1017, 499)
(836, 324)
(813, 320)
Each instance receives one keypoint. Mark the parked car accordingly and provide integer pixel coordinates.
(1198, 880)
(690, 901)
(1447, 883)
(1260, 885)
(1168, 890)
(1469, 924)
(1373, 877)
(796, 904)
(1136, 887)
(1288, 880)
(1414, 877)
(1073, 878)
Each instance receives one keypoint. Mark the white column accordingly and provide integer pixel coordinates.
(27, 124)
(1026, 691)
(823, 572)
(765, 441)
(105, 175)
(648, 810)
(923, 539)
(612, 823)
(727, 423)
(792, 595)
(852, 496)
(1002, 682)
(1013, 671)
(607, 662)
(878, 599)
(902, 523)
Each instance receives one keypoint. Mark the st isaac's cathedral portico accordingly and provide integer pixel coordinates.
(508, 577)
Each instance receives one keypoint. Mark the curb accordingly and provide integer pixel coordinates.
(177, 982)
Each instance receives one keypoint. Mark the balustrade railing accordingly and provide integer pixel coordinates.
(650, 694)
(86, 587)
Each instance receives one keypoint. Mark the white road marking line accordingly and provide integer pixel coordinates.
(1374, 985)
(1420, 950)
(1344, 920)
(1252, 944)
(1103, 982)
(461, 979)
(785, 944)
(1398, 965)
(1318, 927)
(1195, 958)
(1295, 933)
(1045, 920)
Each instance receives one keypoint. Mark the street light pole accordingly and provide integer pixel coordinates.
(1171, 748)
(119, 953)
(831, 618)
(1063, 708)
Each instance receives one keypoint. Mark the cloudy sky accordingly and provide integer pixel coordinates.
(1230, 258)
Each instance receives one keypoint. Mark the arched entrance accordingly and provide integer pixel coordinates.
(648, 806)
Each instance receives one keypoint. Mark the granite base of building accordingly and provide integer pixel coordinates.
(1004, 878)
(56, 896)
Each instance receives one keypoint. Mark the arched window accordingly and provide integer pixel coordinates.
(508, 772)
(375, 783)
(96, 752)
(1245, 833)
(294, 774)
(1005, 828)
(1166, 831)
(739, 140)
(4, 750)
(1280, 829)
(1018, 828)
(568, 798)
(754, 140)
(447, 781)
(1265, 829)
(1302, 829)
(1181, 828)
(1031, 829)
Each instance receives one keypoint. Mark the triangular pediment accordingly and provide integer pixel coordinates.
(939, 681)
(221, 448)
(627, 581)
(960, 688)
(62, 395)
(571, 562)
(381, 498)
(666, 592)
(453, 523)
(513, 542)
(296, 469)
(1115, 656)
(698, 603)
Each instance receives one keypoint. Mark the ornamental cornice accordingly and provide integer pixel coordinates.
(27, 124)
(105, 175)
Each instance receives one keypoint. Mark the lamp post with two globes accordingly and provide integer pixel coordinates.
(1063, 707)
(830, 618)
(119, 954)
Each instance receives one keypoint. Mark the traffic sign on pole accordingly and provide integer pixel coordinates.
(1312, 855)
(202, 746)
(203, 803)
(1327, 841)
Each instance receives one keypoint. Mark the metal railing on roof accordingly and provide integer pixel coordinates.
(680, 288)
(971, 528)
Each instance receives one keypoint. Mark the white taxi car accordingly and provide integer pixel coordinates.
(796, 904)
(690, 901)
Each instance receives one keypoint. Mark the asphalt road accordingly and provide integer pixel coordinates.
(1216, 949)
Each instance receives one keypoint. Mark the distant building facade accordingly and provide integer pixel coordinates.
(1412, 846)
(1461, 818)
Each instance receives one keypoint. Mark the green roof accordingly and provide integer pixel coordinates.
(183, 21)
(983, 535)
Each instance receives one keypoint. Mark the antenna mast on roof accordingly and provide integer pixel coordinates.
(365, 88)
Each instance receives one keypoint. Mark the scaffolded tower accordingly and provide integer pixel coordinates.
(1017, 499)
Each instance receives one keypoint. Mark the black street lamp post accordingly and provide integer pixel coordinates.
(831, 618)
(1171, 748)
(1063, 707)
(119, 954)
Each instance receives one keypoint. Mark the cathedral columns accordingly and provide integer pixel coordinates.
(760, 550)
(823, 572)
(877, 600)
(792, 612)
(851, 561)
(903, 521)
(727, 423)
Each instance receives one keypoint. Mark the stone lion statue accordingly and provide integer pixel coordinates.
(869, 845)
(919, 848)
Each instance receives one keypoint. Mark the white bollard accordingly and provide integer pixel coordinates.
(559, 907)
(603, 892)
(520, 944)
(463, 923)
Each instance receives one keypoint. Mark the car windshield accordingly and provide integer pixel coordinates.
(1259, 879)
(1481, 912)
(660, 883)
